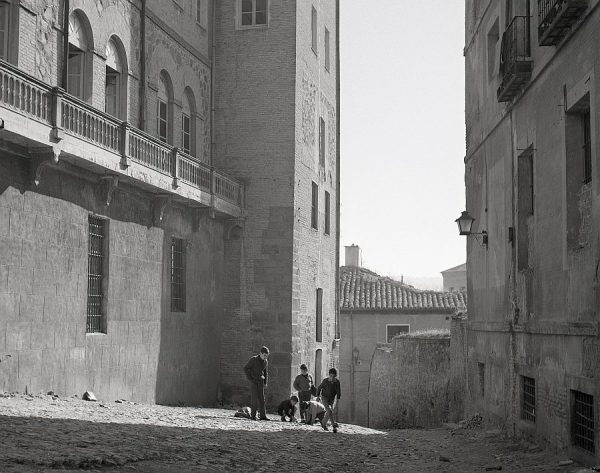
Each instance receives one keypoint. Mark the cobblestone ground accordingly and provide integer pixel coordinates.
(45, 434)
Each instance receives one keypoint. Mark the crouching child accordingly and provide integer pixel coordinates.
(288, 408)
(314, 411)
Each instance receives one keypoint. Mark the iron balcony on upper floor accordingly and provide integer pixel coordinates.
(556, 17)
(50, 126)
(515, 59)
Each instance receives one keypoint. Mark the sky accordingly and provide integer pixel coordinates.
(402, 134)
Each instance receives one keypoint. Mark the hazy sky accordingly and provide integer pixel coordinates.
(403, 138)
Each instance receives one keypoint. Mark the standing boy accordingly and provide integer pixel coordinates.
(304, 385)
(328, 391)
(256, 373)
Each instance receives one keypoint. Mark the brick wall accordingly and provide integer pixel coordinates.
(148, 353)
(409, 383)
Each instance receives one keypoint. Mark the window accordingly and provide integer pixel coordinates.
(493, 61)
(165, 100)
(586, 146)
(77, 60)
(391, 330)
(327, 50)
(525, 205)
(313, 26)
(188, 123)
(199, 11)
(314, 214)
(321, 142)
(177, 275)
(582, 421)
(327, 213)
(97, 246)
(528, 399)
(481, 372)
(253, 12)
(115, 80)
(4, 29)
(319, 315)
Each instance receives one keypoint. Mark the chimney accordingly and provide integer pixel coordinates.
(353, 256)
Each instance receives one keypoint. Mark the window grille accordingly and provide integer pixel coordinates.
(327, 213)
(319, 331)
(96, 273)
(177, 275)
(587, 147)
(528, 399)
(582, 421)
(315, 206)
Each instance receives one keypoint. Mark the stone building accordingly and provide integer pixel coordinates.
(531, 172)
(373, 310)
(455, 278)
(168, 195)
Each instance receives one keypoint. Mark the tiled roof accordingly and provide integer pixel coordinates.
(361, 289)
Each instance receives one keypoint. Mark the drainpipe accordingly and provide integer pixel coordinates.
(337, 170)
(65, 71)
(142, 89)
(213, 48)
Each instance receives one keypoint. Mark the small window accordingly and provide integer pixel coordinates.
(586, 145)
(481, 373)
(528, 399)
(327, 213)
(97, 264)
(395, 329)
(319, 316)
(314, 214)
(314, 29)
(327, 51)
(177, 275)
(4, 30)
(253, 12)
(321, 142)
(582, 421)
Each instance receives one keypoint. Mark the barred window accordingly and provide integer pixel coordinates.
(582, 421)
(96, 318)
(528, 399)
(177, 275)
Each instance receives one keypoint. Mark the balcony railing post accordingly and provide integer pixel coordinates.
(57, 129)
(174, 160)
(125, 130)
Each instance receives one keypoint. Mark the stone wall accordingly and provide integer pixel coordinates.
(409, 382)
(148, 353)
(457, 386)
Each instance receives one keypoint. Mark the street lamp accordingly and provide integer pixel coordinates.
(465, 225)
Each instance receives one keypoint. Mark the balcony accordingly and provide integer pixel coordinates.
(50, 127)
(556, 17)
(515, 59)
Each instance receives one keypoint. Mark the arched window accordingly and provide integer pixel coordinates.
(4, 29)
(188, 122)
(116, 79)
(78, 63)
(165, 107)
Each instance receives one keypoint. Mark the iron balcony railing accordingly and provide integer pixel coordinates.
(67, 114)
(555, 18)
(515, 58)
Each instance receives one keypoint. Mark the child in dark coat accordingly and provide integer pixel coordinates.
(287, 408)
(327, 392)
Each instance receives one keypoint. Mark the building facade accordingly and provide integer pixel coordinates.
(531, 173)
(373, 310)
(153, 216)
(455, 279)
